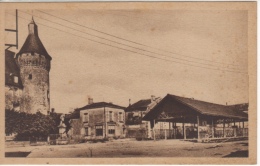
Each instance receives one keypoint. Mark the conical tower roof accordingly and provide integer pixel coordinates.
(33, 42)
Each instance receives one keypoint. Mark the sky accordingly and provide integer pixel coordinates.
(171, 46)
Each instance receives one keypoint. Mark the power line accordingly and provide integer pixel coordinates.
(126, 44)
(135, 51)
(130, 40)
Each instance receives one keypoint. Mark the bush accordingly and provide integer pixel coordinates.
(29, 125)
(115, 137)
(79, 139)
(141, 135)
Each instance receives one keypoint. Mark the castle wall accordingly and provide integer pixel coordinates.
(12, 98)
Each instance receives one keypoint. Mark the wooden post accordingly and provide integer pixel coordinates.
(175, 130)
(170, 130)
(198, 124)
(212, 128)
(165, 134)
(243, 130)
(154, 130)
(224, 134)
(183, 128)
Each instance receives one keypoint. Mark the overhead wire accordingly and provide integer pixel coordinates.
(131, 50)
(131, 40)
(126, 44)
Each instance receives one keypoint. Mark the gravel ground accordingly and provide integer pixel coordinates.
(132, 148)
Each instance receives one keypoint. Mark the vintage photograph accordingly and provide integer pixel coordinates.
(124, 83)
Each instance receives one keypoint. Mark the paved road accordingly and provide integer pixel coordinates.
(132, 148)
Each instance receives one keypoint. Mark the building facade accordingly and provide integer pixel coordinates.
(34, 66)
(99, 120)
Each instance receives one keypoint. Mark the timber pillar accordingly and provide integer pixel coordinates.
(198, 124)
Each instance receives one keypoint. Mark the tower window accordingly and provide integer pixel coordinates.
(30, 76)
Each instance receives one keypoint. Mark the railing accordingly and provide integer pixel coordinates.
(192, 133)
(242, 132)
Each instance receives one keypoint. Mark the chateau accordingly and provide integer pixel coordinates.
(27, 82)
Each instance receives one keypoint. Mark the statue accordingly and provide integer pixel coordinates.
(62, 117)
(62, 126)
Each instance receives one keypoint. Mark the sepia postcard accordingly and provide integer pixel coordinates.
(128, 83)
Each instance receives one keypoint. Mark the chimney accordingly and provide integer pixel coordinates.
(52, 110)
(90, 100)
(152, 98)
(129, 102)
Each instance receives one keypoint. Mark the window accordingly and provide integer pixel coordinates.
(111, 129)
(15, 79)
(48, 95)
(110, 116)
(86, 117)
(30, 76)
(99, 130)
(120, 117)
(86, 131)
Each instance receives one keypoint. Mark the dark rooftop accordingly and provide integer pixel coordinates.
(140, 105)
(76, 113)
(100, 105)
(34, 44)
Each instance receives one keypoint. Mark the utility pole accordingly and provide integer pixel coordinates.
(13, 30)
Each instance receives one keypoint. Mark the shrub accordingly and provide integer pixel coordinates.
(28, 125)
(141, 135)
(115, 137)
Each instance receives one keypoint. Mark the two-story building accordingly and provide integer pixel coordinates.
(134, 116)
(99, 120)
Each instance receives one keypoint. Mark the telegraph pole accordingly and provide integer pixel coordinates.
(13, 30)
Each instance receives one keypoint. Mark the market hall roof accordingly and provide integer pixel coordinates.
(197, 106)
(33, 43)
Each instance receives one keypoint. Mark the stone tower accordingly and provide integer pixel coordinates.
(34, 63)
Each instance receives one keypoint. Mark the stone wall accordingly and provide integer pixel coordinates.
(12, 98)
(34, 72)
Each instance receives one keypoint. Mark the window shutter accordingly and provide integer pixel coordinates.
(113, 119)
(107, 116)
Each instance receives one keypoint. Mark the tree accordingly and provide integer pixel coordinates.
(29, 125)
